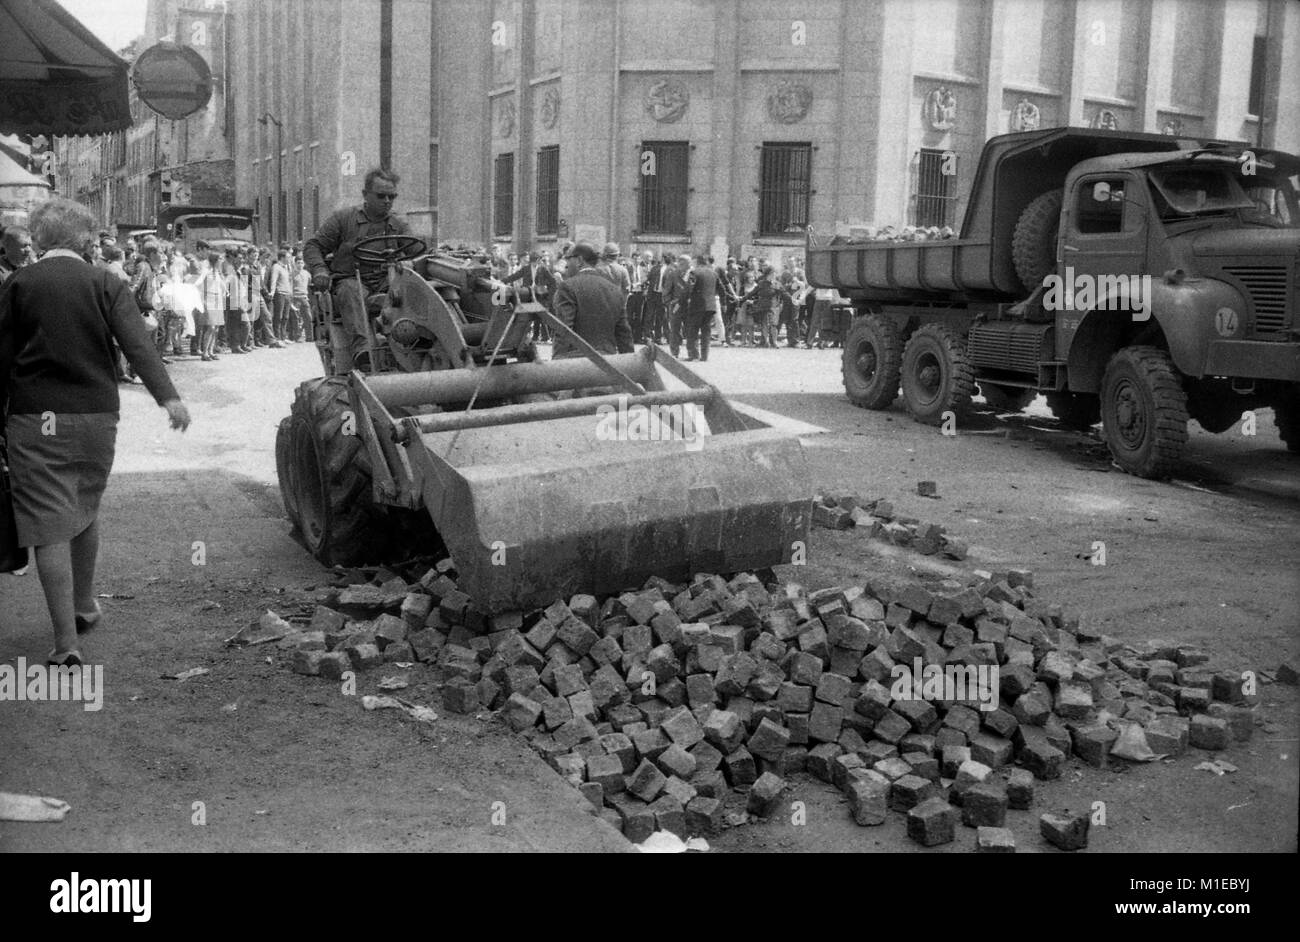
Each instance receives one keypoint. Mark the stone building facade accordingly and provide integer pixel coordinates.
(722, 124)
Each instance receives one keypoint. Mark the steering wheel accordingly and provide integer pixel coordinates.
(399, 248)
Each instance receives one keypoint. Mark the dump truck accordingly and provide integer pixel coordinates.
(1136, 279)
(220, 227)
(541, 478)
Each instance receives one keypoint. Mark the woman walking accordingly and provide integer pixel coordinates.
(58, 320)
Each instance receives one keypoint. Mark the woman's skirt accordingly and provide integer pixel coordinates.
(58, 466)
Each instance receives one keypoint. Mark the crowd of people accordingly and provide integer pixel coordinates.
(204, 303)
(756, 305)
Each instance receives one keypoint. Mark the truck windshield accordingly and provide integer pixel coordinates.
(1190, 191)
(1275, 198)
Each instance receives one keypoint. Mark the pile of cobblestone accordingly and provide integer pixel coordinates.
(878, 519)
(688, 707)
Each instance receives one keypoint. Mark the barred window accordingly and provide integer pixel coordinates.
(935, 190)
(664, 170)
(785, 184)
(503, 196)
(548, 190)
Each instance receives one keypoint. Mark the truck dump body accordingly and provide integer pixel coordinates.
(1013, 170)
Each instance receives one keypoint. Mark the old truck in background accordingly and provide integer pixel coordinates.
(1139, 279)
(221, 227)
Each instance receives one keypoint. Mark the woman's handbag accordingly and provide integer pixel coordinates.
(12, 556)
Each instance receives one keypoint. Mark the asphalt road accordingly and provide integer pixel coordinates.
(1208, 559)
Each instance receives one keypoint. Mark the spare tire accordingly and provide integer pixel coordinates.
(1033, 246)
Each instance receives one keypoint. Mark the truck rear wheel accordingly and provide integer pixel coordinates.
(1144, 411)
(1079, 411)
(1286, 416)
(873, 354)
(329, 478)
(1006, 398)
(937, 376)
(1033, 245)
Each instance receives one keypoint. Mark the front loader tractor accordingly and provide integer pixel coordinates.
(542, 478)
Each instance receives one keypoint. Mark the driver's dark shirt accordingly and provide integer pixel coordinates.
(341, 231)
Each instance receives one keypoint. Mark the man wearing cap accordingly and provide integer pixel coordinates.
(587, 302)
(609, 267)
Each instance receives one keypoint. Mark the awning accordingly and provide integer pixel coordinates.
(56, 78)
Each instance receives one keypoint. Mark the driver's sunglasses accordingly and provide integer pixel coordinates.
(384, 196)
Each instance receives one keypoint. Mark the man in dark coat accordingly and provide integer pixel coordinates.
(589, 304)
(701, 308)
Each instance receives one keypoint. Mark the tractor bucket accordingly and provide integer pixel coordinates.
(595, 492)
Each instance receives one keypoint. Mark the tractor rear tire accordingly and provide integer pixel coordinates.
(1144, 411)
(1033, 245)
(1006, 398)
(871, 362)
(1286, 416)
(937, 375)
(330, 479)
(284, 469)
(1078, 411)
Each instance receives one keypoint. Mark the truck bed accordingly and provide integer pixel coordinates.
(883, 270)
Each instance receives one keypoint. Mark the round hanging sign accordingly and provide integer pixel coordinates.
(172, 79)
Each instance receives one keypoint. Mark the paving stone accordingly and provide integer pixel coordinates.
(765, 795)
(891, 728)
(739, 768)
(724, 730)
(706, 757)
(676, 761)
(1240, 720)
(704, 815)
(820, 759)
(1093, 743)
(841, 765)
(681, 726)
(333, 665)
(521, 712)
(969, 774)
(795, 698)
(1020, 789)
(1000, 722)
(363, 656)
(824, 722)
(932, 822)
(489, 694)
(1073, 702)
(923, 765)
(1208, 732)
(1042, 759)
(700, 690)
(952, 758)
(1032, 708)
(921, 714)
(620, 745)
(1192, 700)
(606, 771)
(868, 801)
(873, 700)
(1065, 831)
(989, 840)
(682, 792)
(984, 805)
(993, 751)
(833, 688)
(908, 791)
(646, 781)
(769, 740)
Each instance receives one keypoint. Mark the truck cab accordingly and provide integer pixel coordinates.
(1138, 279)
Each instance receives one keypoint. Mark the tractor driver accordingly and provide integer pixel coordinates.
(337, 235)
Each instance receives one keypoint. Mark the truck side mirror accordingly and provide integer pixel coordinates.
(1101, 192)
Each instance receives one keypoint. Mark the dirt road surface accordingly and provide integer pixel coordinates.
(273, 761)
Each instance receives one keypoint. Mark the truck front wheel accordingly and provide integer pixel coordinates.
(937, 375)
(1144, 411)
(873, 354)
(1286, 416)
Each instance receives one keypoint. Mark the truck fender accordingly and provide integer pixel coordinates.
(1184, 313)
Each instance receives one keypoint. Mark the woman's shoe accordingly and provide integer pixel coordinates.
(66, 659)
(87, 622)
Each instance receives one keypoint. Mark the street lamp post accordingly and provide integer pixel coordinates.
(279, 171)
